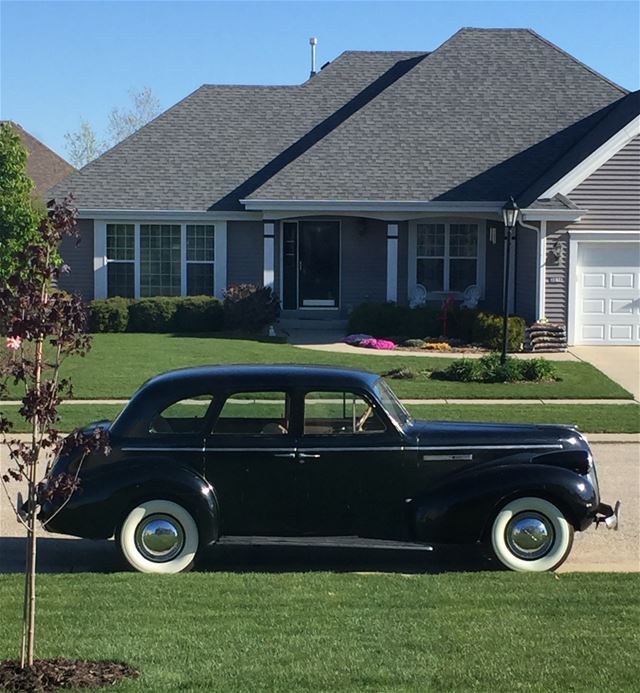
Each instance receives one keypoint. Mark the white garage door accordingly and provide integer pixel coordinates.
(608, 295)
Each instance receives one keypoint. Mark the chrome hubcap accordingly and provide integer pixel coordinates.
(159, 538)
(530, 535)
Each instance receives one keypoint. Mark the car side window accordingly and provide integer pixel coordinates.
(254, 413)
(184, 416)
(339, 413)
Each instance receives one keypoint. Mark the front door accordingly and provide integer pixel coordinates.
(311, 264)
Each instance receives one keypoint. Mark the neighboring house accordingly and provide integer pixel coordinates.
(44, 166)
(383, 171)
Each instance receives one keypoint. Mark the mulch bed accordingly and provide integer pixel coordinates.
(55, 674)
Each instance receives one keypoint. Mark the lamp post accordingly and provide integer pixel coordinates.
(510, 214)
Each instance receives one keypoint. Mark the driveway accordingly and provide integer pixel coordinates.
(620, 363)
(594, 550)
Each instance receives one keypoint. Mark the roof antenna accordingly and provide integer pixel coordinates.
(313, 42)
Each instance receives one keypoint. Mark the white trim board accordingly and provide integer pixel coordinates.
(595, 160)
(168, 215)
(372, 205)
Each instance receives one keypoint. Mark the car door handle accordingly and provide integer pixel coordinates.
(305, 455)
(289, 455)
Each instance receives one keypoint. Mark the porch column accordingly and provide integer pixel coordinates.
(392, 262)
(269, 254)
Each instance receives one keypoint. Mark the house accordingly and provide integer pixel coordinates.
(44, 166)
(383, 171)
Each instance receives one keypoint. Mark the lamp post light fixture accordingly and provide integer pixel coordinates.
(510, 213)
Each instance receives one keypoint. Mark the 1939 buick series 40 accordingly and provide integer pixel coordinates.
(211, 454)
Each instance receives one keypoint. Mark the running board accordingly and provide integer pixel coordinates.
(329, 542)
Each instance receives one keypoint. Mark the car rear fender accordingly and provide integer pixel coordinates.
(461, 509)
(107, 496)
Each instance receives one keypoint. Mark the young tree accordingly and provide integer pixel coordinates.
(145, 106)
(43, 326)
(84, 145)
(18, 216)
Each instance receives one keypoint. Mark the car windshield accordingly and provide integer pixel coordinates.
(392, 405)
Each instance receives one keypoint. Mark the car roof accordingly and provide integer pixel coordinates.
(257, 376)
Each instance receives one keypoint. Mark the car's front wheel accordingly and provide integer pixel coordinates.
(531, 535)
(159, 536)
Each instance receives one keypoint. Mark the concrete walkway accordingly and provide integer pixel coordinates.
(620, 363)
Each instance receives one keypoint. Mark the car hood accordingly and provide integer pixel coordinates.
(455, 434)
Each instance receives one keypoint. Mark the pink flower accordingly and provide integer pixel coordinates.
(14, 343)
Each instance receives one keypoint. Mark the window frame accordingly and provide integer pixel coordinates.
(480, 256)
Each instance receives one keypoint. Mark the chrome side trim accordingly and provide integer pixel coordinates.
(167, 449)
(551, 446)
(447, 458)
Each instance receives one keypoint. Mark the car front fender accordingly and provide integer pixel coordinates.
(107, 494)
(461, 509)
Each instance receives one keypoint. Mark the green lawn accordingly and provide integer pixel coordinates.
(595, 418)
(342, 632)
(119, 363)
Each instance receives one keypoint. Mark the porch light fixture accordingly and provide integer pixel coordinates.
(510, 214)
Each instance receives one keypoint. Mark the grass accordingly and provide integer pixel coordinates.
(595, 418)
(119, 363)
(342, 632)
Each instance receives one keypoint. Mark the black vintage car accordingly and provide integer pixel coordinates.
(212, 454)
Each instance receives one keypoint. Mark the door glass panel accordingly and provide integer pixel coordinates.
(339, 413)
(183, 416)
(319, 264)
(289, 265)
(254, 413)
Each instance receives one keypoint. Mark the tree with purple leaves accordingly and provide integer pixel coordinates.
(42, 326)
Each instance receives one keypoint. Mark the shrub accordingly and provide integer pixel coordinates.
(387, 320)
(250, 307)
(109, 315)
(155, 314)
(487, 330)
(489, 369)
(415, 343)
(538, 369)
(199, 314)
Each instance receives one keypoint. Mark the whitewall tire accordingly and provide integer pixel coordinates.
(159, 536)
(531, 535)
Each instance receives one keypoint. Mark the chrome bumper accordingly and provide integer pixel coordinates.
(610, 516)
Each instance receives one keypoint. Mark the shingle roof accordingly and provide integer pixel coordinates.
(480, 118)
(44, 166)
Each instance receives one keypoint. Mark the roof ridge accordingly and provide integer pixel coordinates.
(577, 61)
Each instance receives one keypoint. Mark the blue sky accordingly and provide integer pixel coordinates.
(63, 61)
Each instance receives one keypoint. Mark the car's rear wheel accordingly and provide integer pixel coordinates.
(531, 535)
(159, 536)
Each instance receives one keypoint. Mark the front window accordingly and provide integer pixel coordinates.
(184, 416)
(447, 256)
(200, 259)
(120, 260)
(160, 259)
(338, 413)
(391, 404)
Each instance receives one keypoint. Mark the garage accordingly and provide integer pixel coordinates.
(607, 297)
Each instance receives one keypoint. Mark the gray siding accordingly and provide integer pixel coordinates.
(556, 272)
(245, 251)
(526, 274)
(79, 257)
(364, 262)
(612, 193)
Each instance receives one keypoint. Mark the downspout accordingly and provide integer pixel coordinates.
(541, 233)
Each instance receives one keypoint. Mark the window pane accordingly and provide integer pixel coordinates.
(200, 242)
(159, 260)
(430, 240)
(199, 279)
(339, 413)
(120, 242)
(431, 274)
(120, 279)
(184, 416)
(254, 413)
(463, 240)
(462, 273)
